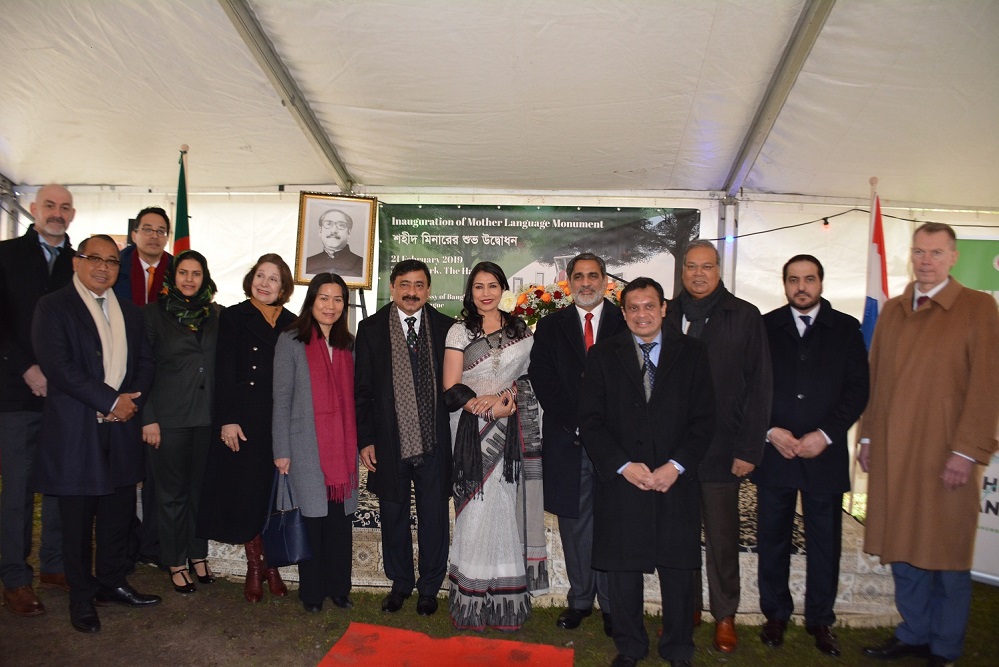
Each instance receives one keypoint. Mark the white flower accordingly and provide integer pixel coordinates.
(507, 301)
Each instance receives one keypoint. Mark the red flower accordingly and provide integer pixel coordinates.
(557, 294)
(538, 292)
(530, 311)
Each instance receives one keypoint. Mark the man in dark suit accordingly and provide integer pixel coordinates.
(647, 414)
(403, 432)
(31, 266)
(740, 368)
(94, 352)
(821, 382)
(144, 264)
(334, 231)
(557, 358)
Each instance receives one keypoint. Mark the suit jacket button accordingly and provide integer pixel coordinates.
(253, 368)
(251, 383)
(254, 349)
(801, 395)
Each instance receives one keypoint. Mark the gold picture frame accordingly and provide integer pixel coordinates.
(336, 234)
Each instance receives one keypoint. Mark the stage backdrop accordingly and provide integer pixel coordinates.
(978, 267)
(531, 243)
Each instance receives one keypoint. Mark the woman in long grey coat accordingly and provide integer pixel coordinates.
(315, 436)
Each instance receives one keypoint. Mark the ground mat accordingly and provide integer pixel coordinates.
(365, 644)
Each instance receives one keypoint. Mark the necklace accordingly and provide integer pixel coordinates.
(496, 352)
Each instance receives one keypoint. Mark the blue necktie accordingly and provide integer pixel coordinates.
(648, 367)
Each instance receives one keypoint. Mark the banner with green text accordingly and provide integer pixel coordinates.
(532, 244)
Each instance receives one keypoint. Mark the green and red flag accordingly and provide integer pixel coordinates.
(181, 231)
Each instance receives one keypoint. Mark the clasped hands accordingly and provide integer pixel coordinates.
(807, 446)
(661, 479)
(125, 408)
(492, 406)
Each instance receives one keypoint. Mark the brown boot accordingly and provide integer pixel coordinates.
(253, 589)
(274, 582)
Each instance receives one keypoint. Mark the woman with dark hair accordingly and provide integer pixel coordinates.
(183, 327)
(240, 470)
(498, 555)
(315, 436)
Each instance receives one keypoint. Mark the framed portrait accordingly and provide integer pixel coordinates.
(336, 234)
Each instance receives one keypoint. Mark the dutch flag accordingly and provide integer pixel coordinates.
(877, 274)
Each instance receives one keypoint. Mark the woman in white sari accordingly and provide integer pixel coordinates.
(498, 556)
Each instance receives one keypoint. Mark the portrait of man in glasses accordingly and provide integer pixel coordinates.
(335, 227)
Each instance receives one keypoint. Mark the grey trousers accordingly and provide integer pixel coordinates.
(720, 514)
(577, 544)
(18, 442)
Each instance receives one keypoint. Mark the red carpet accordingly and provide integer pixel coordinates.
(365, 644)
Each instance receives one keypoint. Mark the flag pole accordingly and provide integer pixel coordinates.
(182, 233)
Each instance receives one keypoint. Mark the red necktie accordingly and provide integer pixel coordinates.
(920, 301)
(588, 332)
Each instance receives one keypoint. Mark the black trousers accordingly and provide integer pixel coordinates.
(179, 469)
(823, 514)
(627, 600)
(432, 532)
(104, 519)
(327, 573)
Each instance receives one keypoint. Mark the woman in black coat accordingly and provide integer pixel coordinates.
(241, 466)
(177, 418)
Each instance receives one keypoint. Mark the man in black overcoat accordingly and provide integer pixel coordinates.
(647, 414)
(561, 342)
(31, 266)
(732, 328)
(821, 387)
(403, 432)
(94, 351)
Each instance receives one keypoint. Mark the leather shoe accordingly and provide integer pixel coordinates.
(624, 661)
(125, 595)
(608, 625)
(54, 581)
(939, 661)
(825, 640)
(896, 648)
(426, 605)
(773, 632)
(23, 601)
(570, 618)
(725, 638)
(312, 608)
(343, 602)
(84, 617)
(393, 602)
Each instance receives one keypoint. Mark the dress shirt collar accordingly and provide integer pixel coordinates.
(932, 293)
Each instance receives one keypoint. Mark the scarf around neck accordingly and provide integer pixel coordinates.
(697, 311)
(191, 312)
(111, 329)
(332, 380)
(270, 313)
(415, 393)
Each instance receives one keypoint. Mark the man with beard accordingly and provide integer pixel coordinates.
(31, 266)
(740, 367)
(334, 232)
(557, 359)
(820, 388)
(403, 432)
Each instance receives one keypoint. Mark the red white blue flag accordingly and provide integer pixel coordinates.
(877, 274)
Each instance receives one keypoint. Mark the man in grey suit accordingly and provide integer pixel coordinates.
(561, 343)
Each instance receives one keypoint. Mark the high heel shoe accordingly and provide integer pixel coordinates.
(187, 587)
(208, 577)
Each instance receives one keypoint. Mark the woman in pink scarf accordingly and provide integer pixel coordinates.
(315, 436)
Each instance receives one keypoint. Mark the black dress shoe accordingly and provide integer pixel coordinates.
(426, 605)
(608, 625)
(125, 595)
(772, 633)
(571, 618)
(938, 661)
(825, 640)
(312, 608)
(393, 602)
(84, 617)
(343, 602)
(896, 648)
(624, 661)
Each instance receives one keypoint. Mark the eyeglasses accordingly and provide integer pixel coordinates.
(339, 224)
(96, 260)
(149, 231)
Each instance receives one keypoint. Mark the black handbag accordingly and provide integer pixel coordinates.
(285, 539)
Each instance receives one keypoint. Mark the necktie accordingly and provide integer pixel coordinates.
(648, 368)
(53, 254)
(151, 271)
(588, 332)
(920, 301)
(411, 333)
(807, 319)
(100, 304)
